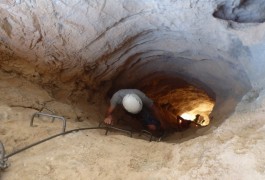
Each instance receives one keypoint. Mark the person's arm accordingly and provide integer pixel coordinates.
(108, 117)
(114, 101)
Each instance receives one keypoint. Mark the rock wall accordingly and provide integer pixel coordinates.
(78, 50)
(75, 47)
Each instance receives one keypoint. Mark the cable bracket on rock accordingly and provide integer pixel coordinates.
(108, 127)
(3, 160)
(38, 114)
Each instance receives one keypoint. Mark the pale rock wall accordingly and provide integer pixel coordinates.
(74, 48)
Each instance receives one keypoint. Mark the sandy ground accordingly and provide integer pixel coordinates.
(81, 155)
(235, 150)
(92, 155)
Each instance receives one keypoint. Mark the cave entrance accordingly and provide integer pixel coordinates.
(178, 101)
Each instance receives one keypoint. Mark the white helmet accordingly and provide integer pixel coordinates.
(132, 103)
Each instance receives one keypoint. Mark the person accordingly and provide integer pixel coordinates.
(135, 101)
(183, 124)
(199, 120)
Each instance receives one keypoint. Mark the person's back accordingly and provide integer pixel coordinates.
(147, 111)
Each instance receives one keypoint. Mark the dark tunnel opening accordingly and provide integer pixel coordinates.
(182, 85)
(174, 97)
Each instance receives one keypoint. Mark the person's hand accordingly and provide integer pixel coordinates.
(108, 120)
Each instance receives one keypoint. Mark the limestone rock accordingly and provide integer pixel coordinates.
(71, 54)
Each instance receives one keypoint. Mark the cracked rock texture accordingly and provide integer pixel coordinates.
(67, 55)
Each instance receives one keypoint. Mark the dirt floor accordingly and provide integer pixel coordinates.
(79, 155)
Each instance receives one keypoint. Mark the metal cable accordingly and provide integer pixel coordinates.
(51, 137)
(64, 133)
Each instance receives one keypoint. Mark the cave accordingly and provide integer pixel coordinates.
(68, 57)
(173, 96)
(176, 83)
